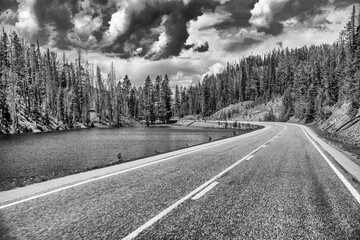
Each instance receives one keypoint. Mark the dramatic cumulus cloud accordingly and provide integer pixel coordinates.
(262, 15)
(184, 38)
(268, 15)
(155, 29)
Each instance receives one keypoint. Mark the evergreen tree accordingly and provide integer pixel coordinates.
(165, 100)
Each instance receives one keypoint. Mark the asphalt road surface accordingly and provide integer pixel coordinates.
(273, 184)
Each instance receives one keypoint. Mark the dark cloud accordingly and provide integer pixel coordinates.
(58, 12)
(197, 48)
(178, 14)
(275, 28)
(202, 48)
(304, 11)
(145, 24)
(176, 26)
(101, 2)
(189, 46)
(139, 32)
(239, 46)
(344, 3)
(301, 9)
(8, 4)
(239, 14)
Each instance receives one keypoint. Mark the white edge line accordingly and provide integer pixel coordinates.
(131, 169)
(342, 178)
(204, 191)
(153, 220)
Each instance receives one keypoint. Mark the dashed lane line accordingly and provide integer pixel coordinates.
(203, 192)
(133, 168)
(250, 157)
(162, 214)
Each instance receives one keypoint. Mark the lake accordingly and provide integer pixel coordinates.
(28, 158)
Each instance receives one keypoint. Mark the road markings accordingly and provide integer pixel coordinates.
(265, 146)
(342, 178)
(215, 144)
(203, 192)
(162, 214)
(250, 157)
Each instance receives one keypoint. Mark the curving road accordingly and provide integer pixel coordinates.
(270, 184)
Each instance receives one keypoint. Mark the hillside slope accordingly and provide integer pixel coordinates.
(343, 121)
(250, 111)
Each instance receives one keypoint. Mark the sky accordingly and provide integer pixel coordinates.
(185, 39)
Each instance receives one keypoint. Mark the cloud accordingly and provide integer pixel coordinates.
(27, 22)
(8, 4)
(238, 13)
(269, 16)
(263, 13)
(179, 76)
(202, 48)
(240, 46)
(8, 17)
(214, 69)
(119, 23)
(197, 47)
(183, 38)
(158, 47)
(159, 27)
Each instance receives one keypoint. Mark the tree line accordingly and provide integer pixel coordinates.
(310, 80)
(43, 86)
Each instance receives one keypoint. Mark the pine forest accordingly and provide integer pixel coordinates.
(46, 87)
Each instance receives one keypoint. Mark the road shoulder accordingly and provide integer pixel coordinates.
(342, 159)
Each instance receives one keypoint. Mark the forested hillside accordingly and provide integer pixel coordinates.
(309, 80)
(49, 91)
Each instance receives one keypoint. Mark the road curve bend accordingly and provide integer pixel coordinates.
(271, 184)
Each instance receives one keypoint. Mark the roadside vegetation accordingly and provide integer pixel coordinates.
(316, 85)
(40, 91)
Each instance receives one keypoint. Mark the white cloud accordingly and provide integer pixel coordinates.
(200, 31)
(27, 23)
(264, 11)
(118, 25)
(84, 25)
(214, 69)
(119, 22)
(158, 47)
(179, 76)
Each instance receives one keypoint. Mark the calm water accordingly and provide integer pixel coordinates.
(54, 154)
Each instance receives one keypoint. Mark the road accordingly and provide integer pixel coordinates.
(273, 184)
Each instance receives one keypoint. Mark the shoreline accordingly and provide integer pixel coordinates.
(31, 179)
